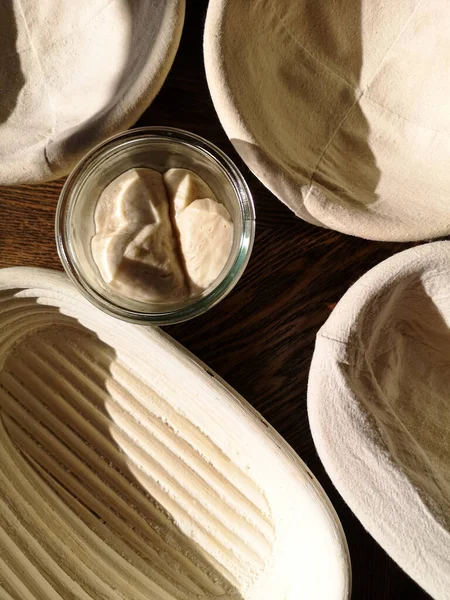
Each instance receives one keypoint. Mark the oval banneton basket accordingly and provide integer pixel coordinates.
(128, 470)
(74, 73)
(379, 409)
(340, 108)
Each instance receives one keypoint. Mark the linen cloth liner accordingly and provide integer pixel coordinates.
(342, 109)
(75, 73)
(379, 409)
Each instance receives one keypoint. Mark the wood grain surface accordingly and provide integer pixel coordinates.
(261, 337)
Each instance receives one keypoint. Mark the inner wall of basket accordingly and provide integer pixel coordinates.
(160, 155)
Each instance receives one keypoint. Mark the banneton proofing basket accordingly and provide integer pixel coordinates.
(342, 111)
(379, 409)
(129, 470)
(75, 73)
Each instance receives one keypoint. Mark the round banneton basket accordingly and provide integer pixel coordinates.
(129, 470)
(340, 108)
(378, 403)
(74, 73)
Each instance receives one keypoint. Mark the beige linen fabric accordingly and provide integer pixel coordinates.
(379, 408)
(341, 108)
(74, 73)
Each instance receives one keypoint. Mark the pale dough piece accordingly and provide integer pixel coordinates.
(141, 253)
(184, 186)
(206, 235)
(133, 199)
(150, 269)
(134, 246)
(108, 250)
(204, 227)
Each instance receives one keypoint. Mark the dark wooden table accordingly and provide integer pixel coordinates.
(261, 337)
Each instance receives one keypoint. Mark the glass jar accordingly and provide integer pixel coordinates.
(160, 149)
